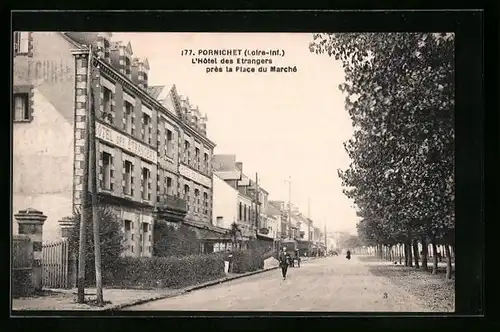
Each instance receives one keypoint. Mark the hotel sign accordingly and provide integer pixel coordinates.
(195, 176)
(128, 144)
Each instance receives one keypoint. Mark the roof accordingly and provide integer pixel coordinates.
(155, 90)
(272, 210)
(228, 175)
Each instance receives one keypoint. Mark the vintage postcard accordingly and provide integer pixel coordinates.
(233, 171)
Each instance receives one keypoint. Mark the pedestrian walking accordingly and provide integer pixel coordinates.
(285, 261)
(348, 256)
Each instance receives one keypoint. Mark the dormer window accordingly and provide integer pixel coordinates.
(127, 66)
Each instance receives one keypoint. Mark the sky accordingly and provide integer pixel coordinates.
(278, 125)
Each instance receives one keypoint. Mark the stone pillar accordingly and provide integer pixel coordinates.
(30, 223)
(81, 67)
(67, 224)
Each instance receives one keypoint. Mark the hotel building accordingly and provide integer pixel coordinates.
(153, 157)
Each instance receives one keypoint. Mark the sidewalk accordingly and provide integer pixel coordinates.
(65, 299)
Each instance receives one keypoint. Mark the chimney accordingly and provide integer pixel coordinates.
(104, 46)
(121, 58)
(140, 70)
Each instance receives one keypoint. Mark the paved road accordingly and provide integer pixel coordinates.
(328, 284)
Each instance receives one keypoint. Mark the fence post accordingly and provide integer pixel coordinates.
(30, 223)
(67, 224)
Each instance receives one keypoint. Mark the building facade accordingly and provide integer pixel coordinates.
(225, 207)
(151, 161)
(43, 126)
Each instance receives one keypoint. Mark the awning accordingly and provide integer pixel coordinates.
(264, 237)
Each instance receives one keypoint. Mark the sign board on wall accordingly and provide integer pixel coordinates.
(128, 144)
(195, 176)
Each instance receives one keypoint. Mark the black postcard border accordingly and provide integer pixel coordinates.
(475, 155)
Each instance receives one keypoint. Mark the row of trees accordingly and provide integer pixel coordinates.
(400, 96)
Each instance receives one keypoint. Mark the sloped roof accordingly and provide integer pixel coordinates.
(155, 91)
(272, 210)
(228, 175)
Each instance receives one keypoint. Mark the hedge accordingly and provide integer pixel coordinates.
(22, 283)
(247, 261)
(160, 272)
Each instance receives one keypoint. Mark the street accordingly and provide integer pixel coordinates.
(328, 284)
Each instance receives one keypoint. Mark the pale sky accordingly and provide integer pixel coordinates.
(277, 124)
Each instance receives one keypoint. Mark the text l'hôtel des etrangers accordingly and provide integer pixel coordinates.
(239, 60)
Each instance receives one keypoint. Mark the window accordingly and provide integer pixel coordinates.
(169, 186)
(21, 107)
(186, 195)
(240, 212)
(197, 157)
(106, 48)
(21, 42)
(205, 203)
(107, 108)
(187, 152)
(107, 171)
(169, 143)
(128, 178)
(245, 213)
(146, 184)
(146, 128)
(127, 225)
(197, 200)
(127, 66)
(207, 165)
(219, 221)
(127, 123)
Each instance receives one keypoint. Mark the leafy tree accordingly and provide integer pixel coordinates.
(111, 237)
(400, 97)
(174, 241)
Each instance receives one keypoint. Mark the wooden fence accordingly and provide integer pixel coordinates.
(55, 264)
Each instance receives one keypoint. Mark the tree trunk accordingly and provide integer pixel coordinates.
(448, 265)
(415, 253)
(380, 252)
(400, 253)
(434, 257)
(410, 254)
(405, 249)
(425, 253)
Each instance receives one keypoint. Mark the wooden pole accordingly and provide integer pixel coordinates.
(84, 218)
(95, 214)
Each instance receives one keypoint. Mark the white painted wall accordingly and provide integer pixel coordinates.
(43, 166)
(225, 203)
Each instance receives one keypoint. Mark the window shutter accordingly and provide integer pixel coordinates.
(101, 102)
(111, 173)
(125, 116)
(112, 108)
(100, 166)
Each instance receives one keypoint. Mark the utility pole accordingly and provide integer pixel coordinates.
(326, 246)
(95, 215)
(256, 204)
(309, 224)
(290, 207)
(84, 217)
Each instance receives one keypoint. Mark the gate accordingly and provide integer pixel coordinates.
(55, 264)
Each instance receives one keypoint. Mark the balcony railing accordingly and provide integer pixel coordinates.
(169, 202)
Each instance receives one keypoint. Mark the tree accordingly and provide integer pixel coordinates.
(234, 232)
(400, 97)
(112, 242)
(174, 241)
